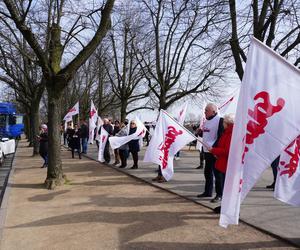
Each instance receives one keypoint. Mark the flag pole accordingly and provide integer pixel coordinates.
(203, 143)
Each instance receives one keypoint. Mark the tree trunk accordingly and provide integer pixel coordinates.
(234, 42)
(27, 127)
(162, 99)
(55, 173)
(123, 110)
(31, 136)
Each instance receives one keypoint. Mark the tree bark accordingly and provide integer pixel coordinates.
(27, 127)
(234, 41)
(123, 110)
(57, 79)
(55, 173)
(162, 100)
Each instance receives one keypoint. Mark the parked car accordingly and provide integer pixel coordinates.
(7, 146)
(1, 157)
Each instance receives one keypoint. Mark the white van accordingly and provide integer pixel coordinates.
(1, 156)
(7, 147)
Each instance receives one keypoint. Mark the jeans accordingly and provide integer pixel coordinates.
(45, 157)
(84, 145)
(274, 166)
(219, 181)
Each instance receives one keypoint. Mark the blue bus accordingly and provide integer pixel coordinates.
(11, 124)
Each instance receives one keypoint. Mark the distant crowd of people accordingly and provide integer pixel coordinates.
(76, 138)
(215, 131)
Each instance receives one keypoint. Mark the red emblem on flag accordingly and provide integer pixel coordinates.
(72, 110)
(142, 132)
(293, 150)
(262, 110)
(92, 112)
(169, 140)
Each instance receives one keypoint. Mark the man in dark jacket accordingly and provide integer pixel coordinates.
(84, 136)
(75, 135)
(212, 130)
(134, 145)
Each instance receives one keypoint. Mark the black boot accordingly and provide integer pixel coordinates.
(272, 186)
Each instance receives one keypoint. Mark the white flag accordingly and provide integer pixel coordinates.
(99, 124)
(92, 122)
(116, 142)
(267, 120)
(231, 104)
(168, 138)
(102, 143)
(287, 187)
(180, 117)
(73, 111)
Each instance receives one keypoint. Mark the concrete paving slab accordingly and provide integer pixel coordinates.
(259, 209)
(102, 208)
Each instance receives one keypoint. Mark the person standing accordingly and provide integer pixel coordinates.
(84, 136)
(221, 151)
(43, 149)
(123, 150)
(109, 129)
(116, 150)
(75, 140)
(211, 132)
(134, 145)
(69, 132)
(274, 166)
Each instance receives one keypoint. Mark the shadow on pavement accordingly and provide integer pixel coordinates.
(197, 246)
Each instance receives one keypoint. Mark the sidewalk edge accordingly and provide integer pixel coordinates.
(4, 202)
(276, 236)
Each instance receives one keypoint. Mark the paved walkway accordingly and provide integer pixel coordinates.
(101, 208)
(259, 209)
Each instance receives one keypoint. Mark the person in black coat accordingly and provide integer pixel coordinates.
(75, 135)
(84, 136)
(69, 132)
(123, 150)
(109, 129)
(116, 130)
(134, 145)
(43, 149)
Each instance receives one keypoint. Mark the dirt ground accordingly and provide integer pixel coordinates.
(101, 208)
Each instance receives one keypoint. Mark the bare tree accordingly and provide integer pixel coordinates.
(274, 22)
(56, 75)
(178, 56)
(124, 70)
(91, 82)
(25, 78)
